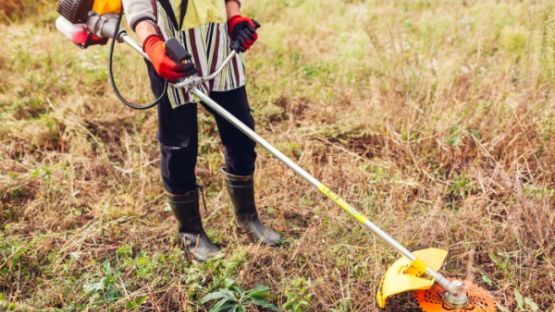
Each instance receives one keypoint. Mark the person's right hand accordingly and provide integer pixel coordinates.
(166, 68)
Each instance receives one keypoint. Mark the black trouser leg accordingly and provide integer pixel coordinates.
(240, 155)
(178, 136)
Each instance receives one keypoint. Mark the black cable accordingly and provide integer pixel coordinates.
(113, 82)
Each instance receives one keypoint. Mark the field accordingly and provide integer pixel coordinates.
(434, 118)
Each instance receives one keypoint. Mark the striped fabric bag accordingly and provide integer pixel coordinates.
(209, 44)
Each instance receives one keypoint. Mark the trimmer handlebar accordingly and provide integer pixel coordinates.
(104, 26)
(176, 51)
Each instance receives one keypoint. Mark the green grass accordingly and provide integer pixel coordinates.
(435, 118)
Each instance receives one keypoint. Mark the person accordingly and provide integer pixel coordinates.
(206, 28)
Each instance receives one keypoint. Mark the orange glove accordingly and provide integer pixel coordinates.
(154, 46)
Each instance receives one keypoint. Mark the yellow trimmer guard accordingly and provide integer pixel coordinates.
(405, 275)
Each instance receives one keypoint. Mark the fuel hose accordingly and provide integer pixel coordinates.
(120, 97)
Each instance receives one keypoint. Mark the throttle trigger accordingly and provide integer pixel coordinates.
(176, 51)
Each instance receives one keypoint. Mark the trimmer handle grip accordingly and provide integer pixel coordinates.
(236, 46)
(176, 51)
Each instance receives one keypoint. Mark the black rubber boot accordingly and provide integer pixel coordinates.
(185, 207)
(241, 191)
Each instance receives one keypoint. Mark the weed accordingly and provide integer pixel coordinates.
(460, 186)
(104, 290)
(233, 298)
(522, 304)
(136, 303)
(514, 40)
(298, 295)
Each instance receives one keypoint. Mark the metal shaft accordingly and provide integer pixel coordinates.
(313, 181)
(133, 44)
(123, 36)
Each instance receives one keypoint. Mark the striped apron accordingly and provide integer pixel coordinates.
(208, 42)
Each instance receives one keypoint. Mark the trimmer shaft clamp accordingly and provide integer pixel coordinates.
(456, 297)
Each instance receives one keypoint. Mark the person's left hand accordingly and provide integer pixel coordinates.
(242, 30)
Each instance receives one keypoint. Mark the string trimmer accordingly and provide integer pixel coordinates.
(88, 22)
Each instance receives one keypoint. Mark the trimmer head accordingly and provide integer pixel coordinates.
(405, 275)
(432, 300)
(409, 276)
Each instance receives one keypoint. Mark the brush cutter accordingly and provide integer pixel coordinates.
(416, 271)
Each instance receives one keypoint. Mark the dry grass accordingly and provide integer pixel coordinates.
(15, 10)
(436, 119)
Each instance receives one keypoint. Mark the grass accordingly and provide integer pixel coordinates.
(435, 118)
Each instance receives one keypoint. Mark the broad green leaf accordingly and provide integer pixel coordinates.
(229, 283)
(232, 285)
(220, 306)
(259, 288)
(264, 304)
(232, 307)
(136, 303)
(260, 291)
(236, 289)
(224, 293)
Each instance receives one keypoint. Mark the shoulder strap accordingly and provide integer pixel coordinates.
(171, 14)
(184, 4)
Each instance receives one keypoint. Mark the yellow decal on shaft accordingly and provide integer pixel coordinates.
(416, 268)
(342, 203)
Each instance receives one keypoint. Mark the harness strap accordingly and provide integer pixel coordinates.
(184, 4)
(171, 14)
